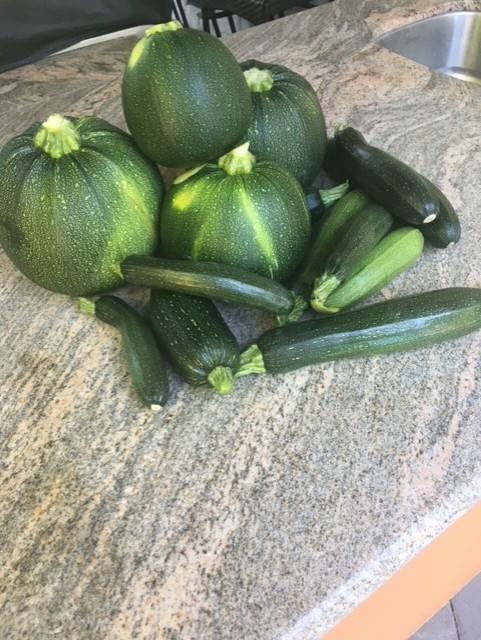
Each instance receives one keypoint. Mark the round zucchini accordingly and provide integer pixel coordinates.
(243, 212)
(184, 96)
(76, 198)
(287, 125)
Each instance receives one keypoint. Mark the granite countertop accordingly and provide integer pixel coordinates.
(271, 513)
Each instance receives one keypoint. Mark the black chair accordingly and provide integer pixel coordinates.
(255, 11)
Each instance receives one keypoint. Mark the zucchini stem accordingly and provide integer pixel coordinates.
(294, 314)
(259, 80)
(173, 25)
(323, 287)
(251, 361)
(222, 379)
(332, 195)
(86, 306)
(57, 137)
(238, 161)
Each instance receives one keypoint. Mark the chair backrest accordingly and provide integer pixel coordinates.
(30, 29)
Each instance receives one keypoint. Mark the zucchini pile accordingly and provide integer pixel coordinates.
(85, 208)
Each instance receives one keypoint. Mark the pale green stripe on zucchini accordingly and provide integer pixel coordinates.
(398, 251)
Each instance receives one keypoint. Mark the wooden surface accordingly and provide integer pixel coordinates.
(273, 512)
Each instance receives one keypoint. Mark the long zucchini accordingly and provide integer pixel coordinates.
(215, 281)
(196, 338)
(399, 324)
(386, 179)
(365, 231)
(446, 229)
(332, 228)
(144, 359)
(398, 251)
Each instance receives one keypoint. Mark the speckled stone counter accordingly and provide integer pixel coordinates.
(271, 513)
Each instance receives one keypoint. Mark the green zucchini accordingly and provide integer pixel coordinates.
(366, 230)
(184, 96)
(319, 200)
(196, 338)
(446, 229)
(76, 198)
(213, 280)
(386, 179)
(398, 251)
(332, 164)
(287, 125)
(144, 359)
(332, 228)
(400, 324)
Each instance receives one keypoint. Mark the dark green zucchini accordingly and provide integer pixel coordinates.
(386, 179)
(227, 283)
(332, 163)
(332, 228)
(399, 324)
(196, 338)
(144, 359)
(319, 200)
(446, 229)
(365, 231)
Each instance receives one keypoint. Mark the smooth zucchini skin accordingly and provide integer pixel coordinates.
(332, 228)
(386, 179)
(367, 228)
(195, 336)
(399, 324)
(332, 164)
(446, 229)
(209, 280)
(287, 124)
(184, 96)
(398, 251)
(146, 363)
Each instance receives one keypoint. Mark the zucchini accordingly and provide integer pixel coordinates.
(446, 229)
(184, 96)
(319, 200)
(240, 210)
(227, 283)
(332, 164)
(144, 359)
(386, 179)
(400, 324)
(398, 251)
(287, 125)
(332, 228)
(366, 230)
(76, 198)
(196, 338)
